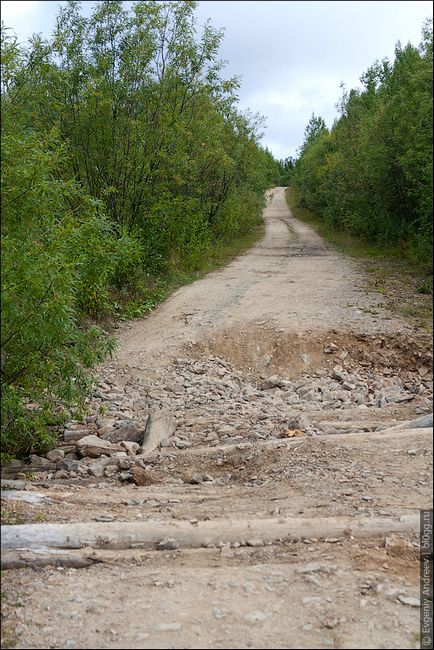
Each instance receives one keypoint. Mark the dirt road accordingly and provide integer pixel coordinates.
(281, 512)
(291, 279)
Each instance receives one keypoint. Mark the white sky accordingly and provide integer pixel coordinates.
(291, 55)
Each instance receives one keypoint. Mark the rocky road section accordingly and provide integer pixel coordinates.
(250, 472)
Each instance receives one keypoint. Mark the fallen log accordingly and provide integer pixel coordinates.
(331, 438)
(18, 559)
(26, 469)
(124, 535)
(82, 558)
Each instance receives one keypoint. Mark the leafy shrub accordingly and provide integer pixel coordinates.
(371, 174)
(47, 224)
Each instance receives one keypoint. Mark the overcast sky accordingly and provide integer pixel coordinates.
(292, 55)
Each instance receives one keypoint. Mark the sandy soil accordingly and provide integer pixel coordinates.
(286, 298)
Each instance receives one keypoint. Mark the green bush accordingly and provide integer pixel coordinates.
(47, 223)
(371, 174)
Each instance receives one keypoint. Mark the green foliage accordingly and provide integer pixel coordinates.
(125, 162)
(286, 171)
(371, 174)
(47, 223)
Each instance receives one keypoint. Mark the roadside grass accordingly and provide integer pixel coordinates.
(405, 285)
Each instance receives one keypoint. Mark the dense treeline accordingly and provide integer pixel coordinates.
(124, 156)
(371, 174)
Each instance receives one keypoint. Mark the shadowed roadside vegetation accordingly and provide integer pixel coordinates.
(370, 175)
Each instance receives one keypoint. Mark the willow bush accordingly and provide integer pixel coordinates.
(124, 154)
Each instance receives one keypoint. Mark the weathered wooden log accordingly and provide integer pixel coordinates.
(27, 469)
(82, 558)
(331, 438)
(17, 559)
(122, 535)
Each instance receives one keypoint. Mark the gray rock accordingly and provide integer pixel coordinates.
(68, 464)
(168, 544)
(131, 447)
(71, 455)
(61, 474)
(38, 461)
(177, 389)
(330, 348)
(222, 480)
(255, 617)
(134, 502)
(70, 643)
(111, 470)
(180, 444)
(196, 479)
(411, 601)
(93, 446)
(273, 382)
(105, 422)
(15, 464)
(71, 435)
(55, 455)
(168, 627)
(97, 468)
(160, 425)
(266, 360)
(118, 455)
(423, 423)
(338, 373)
(126, 431)
(104, 518)
(255, 542)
